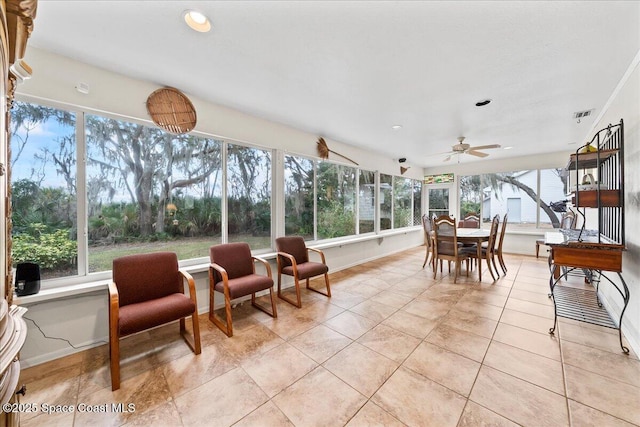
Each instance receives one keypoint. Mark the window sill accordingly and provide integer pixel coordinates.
(61, 292)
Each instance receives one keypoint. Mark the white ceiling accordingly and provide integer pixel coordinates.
(351, 70)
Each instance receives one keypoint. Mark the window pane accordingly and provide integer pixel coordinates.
(336, 200)
(43, 186)
(470, 195)
(417, 202)
(367, 201)
(512, 192)
(402, 213)
(553, 184)
(386, 195)
(148, 190)
(438, 201)
(298, 197)
(249, 196)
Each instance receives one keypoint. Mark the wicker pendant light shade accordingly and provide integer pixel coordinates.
(171, 110)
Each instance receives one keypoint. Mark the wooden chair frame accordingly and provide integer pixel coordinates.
(490, 251)
(294, 265)
(499, 252)
(192, 341)
(457, 256)
(428, 241)
(227, 327)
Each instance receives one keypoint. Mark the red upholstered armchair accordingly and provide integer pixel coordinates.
(232, 272)
(148, 291)
(293, 260)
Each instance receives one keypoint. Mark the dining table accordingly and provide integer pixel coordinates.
(477, 236)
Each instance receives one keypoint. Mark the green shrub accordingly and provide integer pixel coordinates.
(50, 250)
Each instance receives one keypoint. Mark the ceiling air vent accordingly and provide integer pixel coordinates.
(582, 114)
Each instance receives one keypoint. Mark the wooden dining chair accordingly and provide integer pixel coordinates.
(489, 251)
(428, 240)
(446, 245)
(500, 241)
(471, 220)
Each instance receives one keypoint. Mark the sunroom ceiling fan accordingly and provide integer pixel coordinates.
(462, 148)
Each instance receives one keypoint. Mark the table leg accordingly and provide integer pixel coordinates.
(479, 245)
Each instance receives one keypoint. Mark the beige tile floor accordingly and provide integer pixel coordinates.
(392, 347)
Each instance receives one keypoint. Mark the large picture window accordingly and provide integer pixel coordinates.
(402, 203)
(145, 185)
(386, 201)
(336, 198)
(525, 196)
(366, 201)
(44, 189)
(298, 197)
(249, 196)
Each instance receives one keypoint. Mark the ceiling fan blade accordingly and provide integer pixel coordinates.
(477, 153)
(446, 159)
(485, 147)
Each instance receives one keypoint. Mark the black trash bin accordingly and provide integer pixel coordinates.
(27, 279)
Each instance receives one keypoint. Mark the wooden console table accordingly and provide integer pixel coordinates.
(568, 254)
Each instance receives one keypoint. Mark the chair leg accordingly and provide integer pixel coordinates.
(488, 260)
(502, 264)
(192, 341)
(114, 356)
(493, 260)
(426, 257)
(537, 249)
(227, 327)
(326, 282)
(298, 302)
(274, 310)
(456, 268)
(435, 266)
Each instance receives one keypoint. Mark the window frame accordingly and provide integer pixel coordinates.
(83, 275)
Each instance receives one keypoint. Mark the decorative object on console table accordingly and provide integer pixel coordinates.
(596, 252)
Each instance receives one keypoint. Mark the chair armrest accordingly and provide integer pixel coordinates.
(114, 298)
(291, 258)
(191, 283)
(319, 252)
(265, 263)
(223, 273)
(114, 310)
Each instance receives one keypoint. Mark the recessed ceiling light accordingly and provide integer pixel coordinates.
(396, 127)
(483, 102)
(197, 21)
(508, 148)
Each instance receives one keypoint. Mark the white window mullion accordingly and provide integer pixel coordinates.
(278, 196)
(357, 201)
(315, 200)
(81, 195)
(225, 206)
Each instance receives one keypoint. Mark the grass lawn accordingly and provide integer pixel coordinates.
(101, 257)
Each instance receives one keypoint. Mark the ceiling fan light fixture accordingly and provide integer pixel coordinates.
(197, 21)
(483, 102)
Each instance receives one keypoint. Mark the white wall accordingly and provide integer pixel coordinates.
(82, 320)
